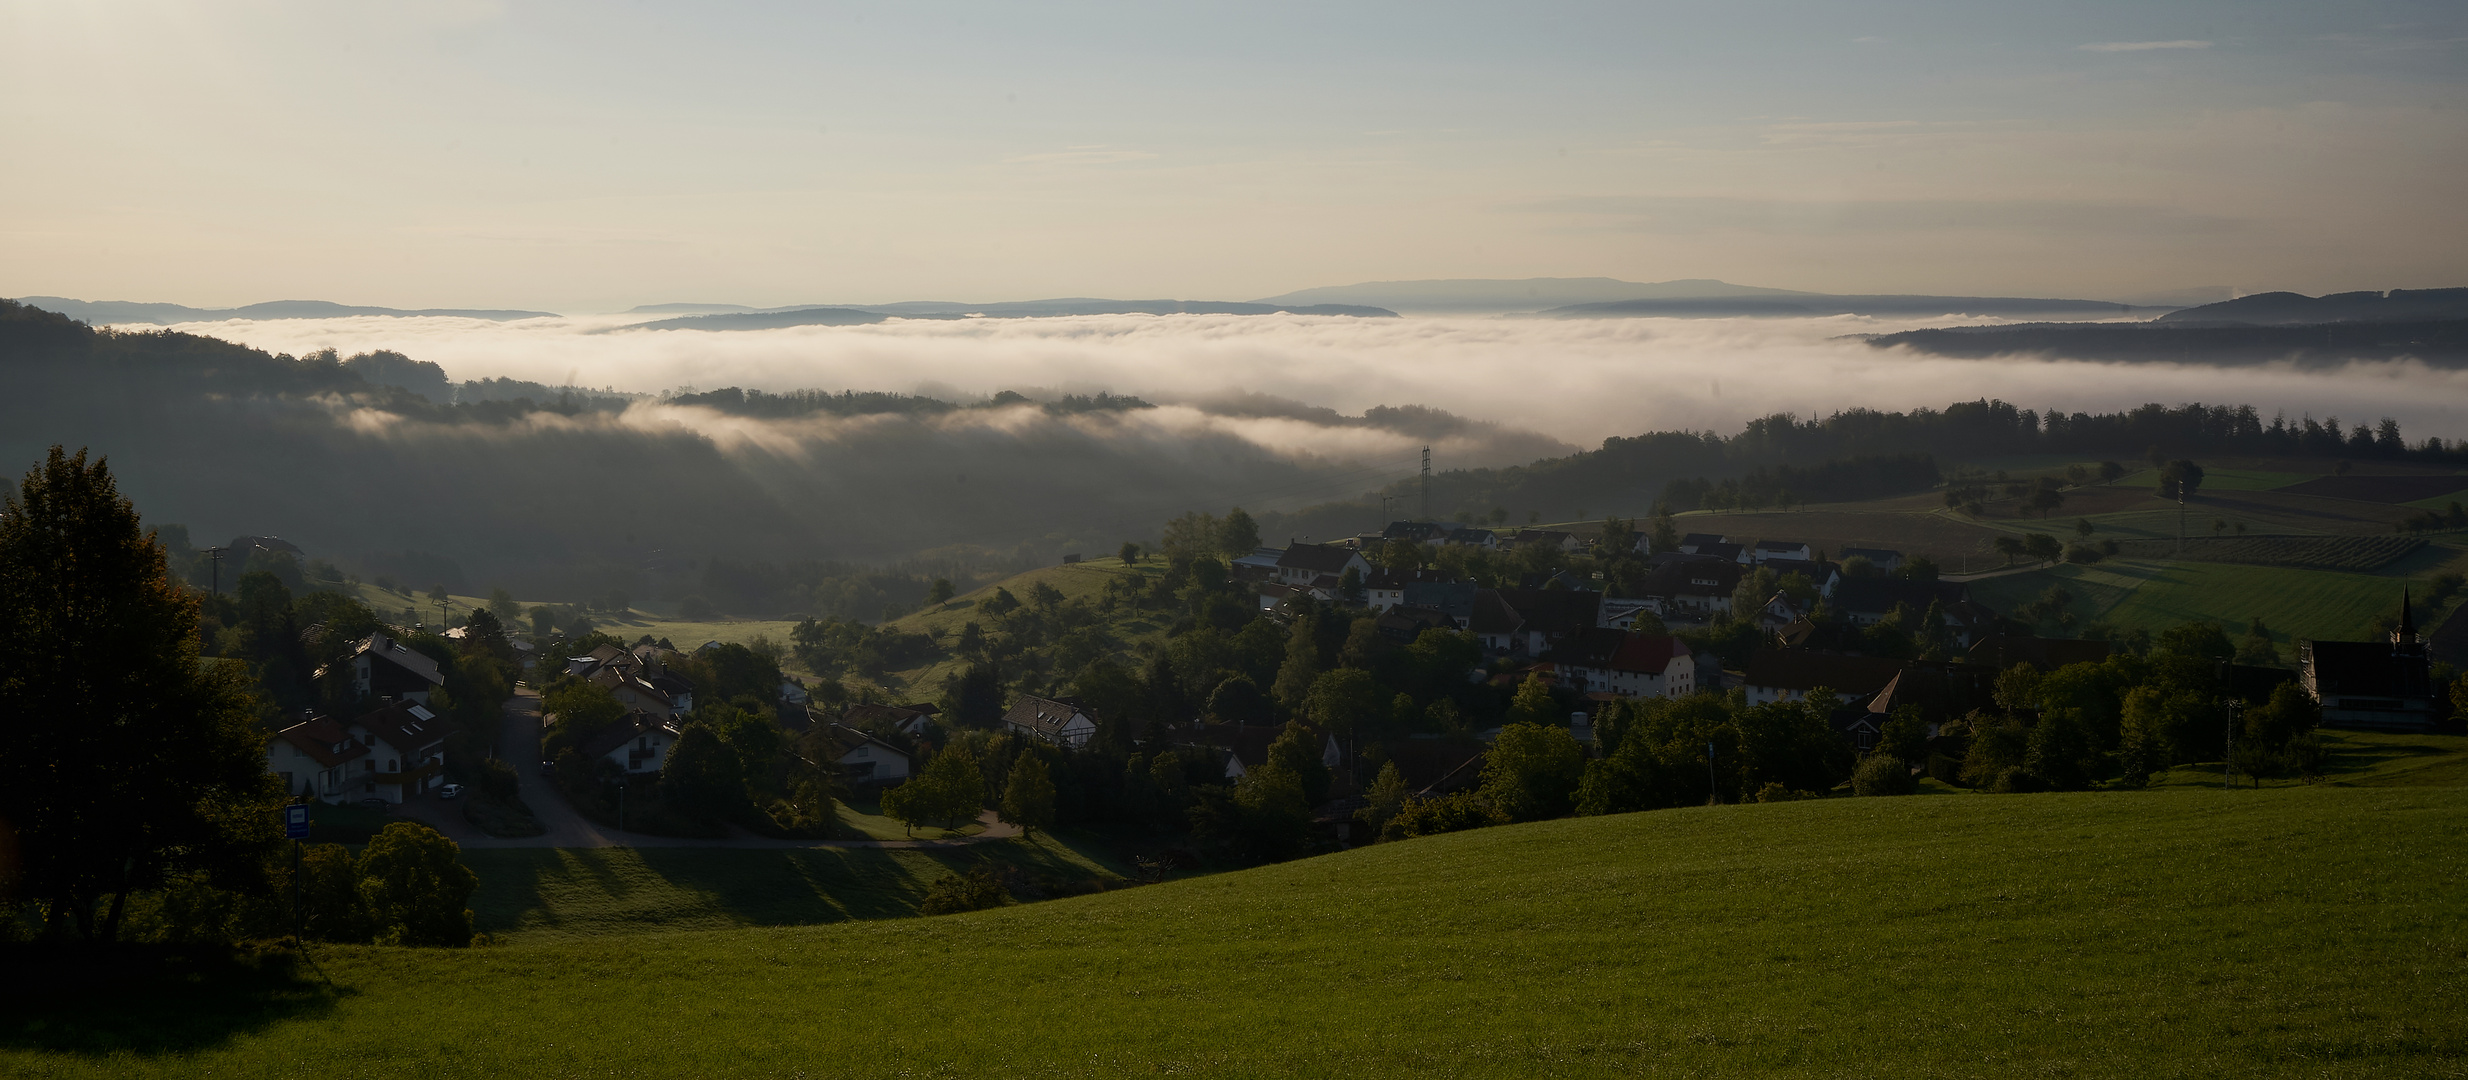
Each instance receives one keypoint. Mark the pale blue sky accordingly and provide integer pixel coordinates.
(590, 156)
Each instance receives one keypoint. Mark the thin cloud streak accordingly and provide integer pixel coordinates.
(2141, 46)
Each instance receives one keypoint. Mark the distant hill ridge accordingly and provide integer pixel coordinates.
(2287, 308)
(1600, 297)
(860, 315)
(99, 312)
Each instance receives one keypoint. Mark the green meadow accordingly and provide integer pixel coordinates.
(2316, 931)
(2155, 595)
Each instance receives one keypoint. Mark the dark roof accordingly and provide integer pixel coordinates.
(1317, 558)
(845, 738)
(406, 727)
(1793, 669)
(1942, 691)
(1872, 554)
(1554, 611)
(2367, 669)
(1454, 597)
(1383, 578)
(1492, 615)
(636, 724)
(400, 655)
(319, 739)
(1700, 540)
(1619, 650)
(1048, 715)
(1411, 530)
(1829, 636)
(1439, 766)
(1405, 622)
(1681, 578)
(1781, 545)
(1726, 552)
(2003, 651)
(1879, 595)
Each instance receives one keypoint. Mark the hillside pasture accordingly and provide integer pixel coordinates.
(2315, 932)
(2155, 595)
(1934, 533)
(2379, 489)
(2358, 554)
(540, 894)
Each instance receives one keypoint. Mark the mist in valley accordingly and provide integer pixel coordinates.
(986, 449)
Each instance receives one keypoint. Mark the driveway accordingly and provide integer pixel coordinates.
(520, 746)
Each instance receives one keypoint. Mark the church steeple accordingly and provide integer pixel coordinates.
(2406, 635)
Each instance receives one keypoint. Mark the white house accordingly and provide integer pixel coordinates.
(1385, 589)
(393, 753)
(1622, 664)
(1303, 564)
(1769, 552)
(864, 759)
(638, 744)
(1060, 721)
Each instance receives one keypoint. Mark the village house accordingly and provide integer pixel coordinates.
(864, 759)
(389, 670)
(1384, 588)
(909, 720)
(1556, 538)
(2376, 685)
(1768, 552)
(1789, 675)
(1615, 662)
(392, 754)
(1454, 599)
(1530, 622)
(1303, 565)
(1697, 543)
(639, 743)
(1698, 588)
(1060, 721)
(1484, 539)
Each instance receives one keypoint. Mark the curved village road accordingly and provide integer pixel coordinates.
(520, 746)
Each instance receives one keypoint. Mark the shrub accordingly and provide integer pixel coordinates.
(416, 891)
(951, 894)
(2082, 553)
(1448, 813)
(1883, 774)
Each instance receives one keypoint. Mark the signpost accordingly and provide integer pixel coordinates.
(296, 822)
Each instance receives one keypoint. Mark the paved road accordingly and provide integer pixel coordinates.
(520, 746)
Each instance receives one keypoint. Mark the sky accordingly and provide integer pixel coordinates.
(587, 157)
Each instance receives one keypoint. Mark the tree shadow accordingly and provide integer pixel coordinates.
(151, 1000)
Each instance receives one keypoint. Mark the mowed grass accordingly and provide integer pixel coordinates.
(2284, 932)
(2156, 595)
(535, 894)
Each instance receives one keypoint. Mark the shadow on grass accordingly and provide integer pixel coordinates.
(150, 1000)
(2397, 761)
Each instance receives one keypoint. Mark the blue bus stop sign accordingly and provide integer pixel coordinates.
(295, 822)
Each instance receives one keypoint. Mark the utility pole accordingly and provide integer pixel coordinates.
(1713, 787)
(1426, 483)
(2227, 768)
(2180, 517)
(216, 554)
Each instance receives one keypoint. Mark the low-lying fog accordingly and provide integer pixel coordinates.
(1573, 381)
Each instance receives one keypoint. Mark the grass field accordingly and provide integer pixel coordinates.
(2155, 595)
(2317, 931)
(540, 894)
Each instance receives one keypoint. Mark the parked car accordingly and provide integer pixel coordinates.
(548, 768)
(450, 791)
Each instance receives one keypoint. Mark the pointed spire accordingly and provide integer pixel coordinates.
(2407, 632)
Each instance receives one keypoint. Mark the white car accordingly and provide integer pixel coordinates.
(450, 791)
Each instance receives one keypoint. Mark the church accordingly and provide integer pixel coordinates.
(2380, 686)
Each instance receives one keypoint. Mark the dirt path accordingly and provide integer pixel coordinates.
(520, 746)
